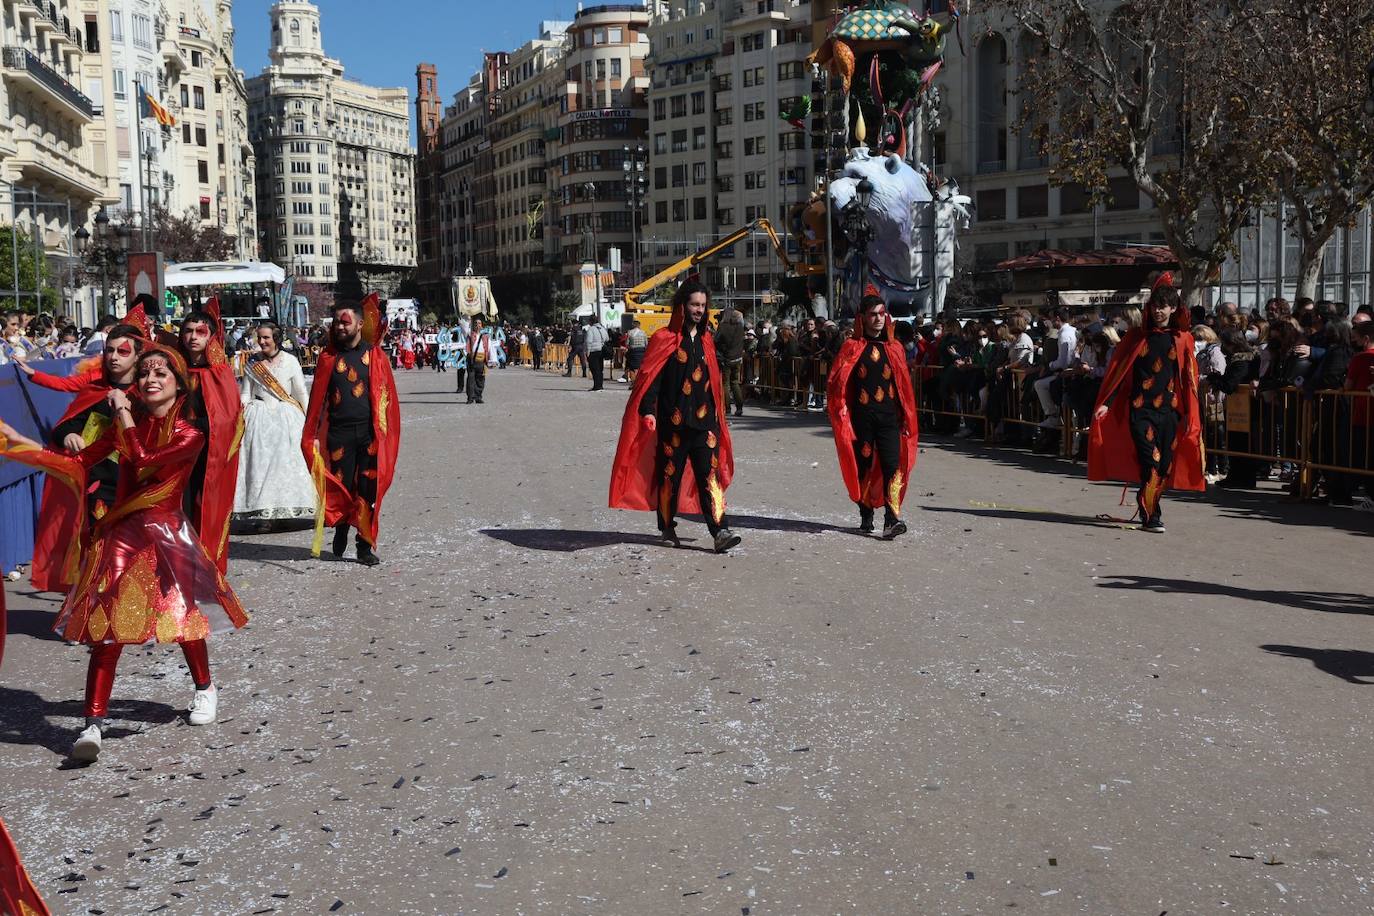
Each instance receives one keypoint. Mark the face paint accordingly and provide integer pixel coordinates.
(122, 348)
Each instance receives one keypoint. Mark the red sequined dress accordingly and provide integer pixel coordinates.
(144, 576)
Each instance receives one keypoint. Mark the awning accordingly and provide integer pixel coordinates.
(1074, 298)
(223, 273)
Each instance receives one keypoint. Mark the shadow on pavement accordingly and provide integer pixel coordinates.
(562, 540)
(1031, 515)
(26, 719)
(38, 624)
(796, 526)
(1326, 602)
(266, 553)
(1347, 664)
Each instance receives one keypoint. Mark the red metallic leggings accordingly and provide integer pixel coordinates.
(100, 674)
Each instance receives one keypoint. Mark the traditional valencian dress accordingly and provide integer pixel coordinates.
(145, 576)
(274, 481)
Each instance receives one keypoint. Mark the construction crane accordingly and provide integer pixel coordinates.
(653, 315)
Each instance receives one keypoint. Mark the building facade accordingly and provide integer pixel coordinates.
(335, 169)
(602, 107)
(54, 158)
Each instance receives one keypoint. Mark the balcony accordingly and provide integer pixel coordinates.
(23, 67)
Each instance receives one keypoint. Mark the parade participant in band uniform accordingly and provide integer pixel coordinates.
(85, 420)
(274, 483)
(872, 410)
(1147, 427)
(145, 575)
(210, 497)
(352, 430)
(675, 453)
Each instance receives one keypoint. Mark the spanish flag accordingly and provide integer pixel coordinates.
(149, 108)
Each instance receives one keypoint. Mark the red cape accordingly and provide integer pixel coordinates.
(338, 504)
(17, 893)
(1111, 450)
(633, 482)
(61, 514)
(870, 491)
(220, 392)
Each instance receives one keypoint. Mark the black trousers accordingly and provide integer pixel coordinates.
(598, 362)
(462, 378)
(1153, 432)
(353, 459)
(477, 382)
(538, 356)
(675, 451)
(581, 358)
(878, 435)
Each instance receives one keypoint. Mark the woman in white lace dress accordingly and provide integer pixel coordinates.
(274, 482)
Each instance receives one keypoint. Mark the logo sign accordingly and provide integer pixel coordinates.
(600, 114)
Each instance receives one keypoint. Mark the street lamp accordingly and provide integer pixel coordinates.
(590, 188)
(856, 227)
(112, 248)
(634, 192)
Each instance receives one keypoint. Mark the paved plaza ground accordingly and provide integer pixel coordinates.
(531, 708)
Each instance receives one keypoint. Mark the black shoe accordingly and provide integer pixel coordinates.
(367, 557)
(866, 520)
(480, 401)
(1153, 526)
(340, 541)
(668, 537)
(725, 539)
(896, 529)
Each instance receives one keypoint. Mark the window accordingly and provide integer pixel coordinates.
(186, 132)
(199, 95)
(660, 177)
(679, 141)
(791, 70)
(660, 144)
(661, 211)
(699, 173)
(1073, 198)
(753, 111)
(724, 116)
(200, 136)
(660, 109)
(615, 66)
(203, 171)
(755, 146)
(699, 102)
(185, 97)
(725, 150)
(116, 26)
(1032, 200)
(92, 36)
(205, 209)
(142, 30)
(1123, 194)
(793, 139)
(698, 208)
(196, 59)
(699, 138)
(121, 88)
(992, 205)
(679, 106)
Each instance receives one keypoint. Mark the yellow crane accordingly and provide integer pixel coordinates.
(653, 316)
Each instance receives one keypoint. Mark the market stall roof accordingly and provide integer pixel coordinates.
(223, 273)
(1151, 256)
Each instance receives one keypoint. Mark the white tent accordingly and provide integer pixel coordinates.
(223, 273)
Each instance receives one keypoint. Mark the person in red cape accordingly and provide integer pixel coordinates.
(210, 498)
(872, 409)
(55, 553)
(1147, 427)
(18, 896)
(352, 430)
(145, 576)
(675, 453)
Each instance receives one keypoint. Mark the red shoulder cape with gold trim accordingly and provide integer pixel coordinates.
(1111, 450)
(219, 391)
(338, 503)
(17, 893)
(870, 491)
(633, 482)
(61, 514)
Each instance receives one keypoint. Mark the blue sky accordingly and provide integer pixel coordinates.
(381, 41)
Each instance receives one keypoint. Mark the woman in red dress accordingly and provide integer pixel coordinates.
(145, 575)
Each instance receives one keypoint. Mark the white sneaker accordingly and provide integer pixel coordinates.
(1364, 504)
(204, 705)
(87, 746)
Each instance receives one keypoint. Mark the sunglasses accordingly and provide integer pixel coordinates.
(123, 348)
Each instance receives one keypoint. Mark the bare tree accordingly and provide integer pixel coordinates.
(183, 238)
(1144, 86)
(1305, 86)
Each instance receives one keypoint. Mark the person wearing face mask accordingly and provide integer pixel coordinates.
(352, 432)
(674, 453)
(1147, 427)
(215, 395)
(145, 575)
(873, 416)
(274, 481)
(87, 417)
